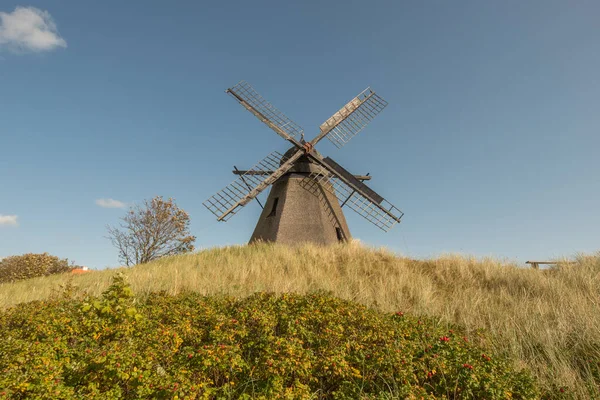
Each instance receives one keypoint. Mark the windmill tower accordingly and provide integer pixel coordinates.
(308, 190)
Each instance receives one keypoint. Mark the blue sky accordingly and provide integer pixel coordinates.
(489, 143)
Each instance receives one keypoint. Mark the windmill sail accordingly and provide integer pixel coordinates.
(353, 180)
(225, 203)
(352, 118)
(356, 195)
(265, 111)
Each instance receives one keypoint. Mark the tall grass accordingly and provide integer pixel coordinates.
(548, 319)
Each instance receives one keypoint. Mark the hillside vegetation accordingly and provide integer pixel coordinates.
(265, 346)
(547, 321)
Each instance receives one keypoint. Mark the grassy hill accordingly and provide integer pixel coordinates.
(549, 321)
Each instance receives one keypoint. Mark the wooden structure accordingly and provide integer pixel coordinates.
(536, 264)
(308, 190)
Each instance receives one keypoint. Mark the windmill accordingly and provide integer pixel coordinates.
(308, 190)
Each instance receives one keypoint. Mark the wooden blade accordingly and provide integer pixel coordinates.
(240, 192)
(355, 194)
(351, 119)
(341, 171)
(265, 111)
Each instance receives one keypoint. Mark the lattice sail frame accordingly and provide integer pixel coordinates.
(251, 96)
(353, 117)
(372, 212)
(222, 201)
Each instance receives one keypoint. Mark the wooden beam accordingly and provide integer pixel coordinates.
(543, 262)
(240, 172)
(534, 264)
(249, 187)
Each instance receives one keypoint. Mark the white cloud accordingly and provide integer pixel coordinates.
(8, 220)
(29, 29)
(110, 203)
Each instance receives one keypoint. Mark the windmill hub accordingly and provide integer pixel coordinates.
(308, 190)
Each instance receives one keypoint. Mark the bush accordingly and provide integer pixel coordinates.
(265, 346)
(31, 265)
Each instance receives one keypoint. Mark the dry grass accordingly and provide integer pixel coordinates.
(548, 319)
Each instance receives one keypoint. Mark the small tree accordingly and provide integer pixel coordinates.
(158, 228)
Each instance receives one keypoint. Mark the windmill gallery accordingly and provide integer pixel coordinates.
(309, 190)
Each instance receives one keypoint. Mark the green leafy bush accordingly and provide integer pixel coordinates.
(31, 265)
(266, 346)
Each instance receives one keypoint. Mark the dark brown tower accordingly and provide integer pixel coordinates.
(299, 209)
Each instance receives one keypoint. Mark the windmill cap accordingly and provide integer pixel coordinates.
(303, 164)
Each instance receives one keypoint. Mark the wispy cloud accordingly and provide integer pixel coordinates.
(29, 29)
(110, 203)
(10, 220)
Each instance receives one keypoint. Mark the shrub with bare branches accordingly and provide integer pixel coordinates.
(150, 231)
